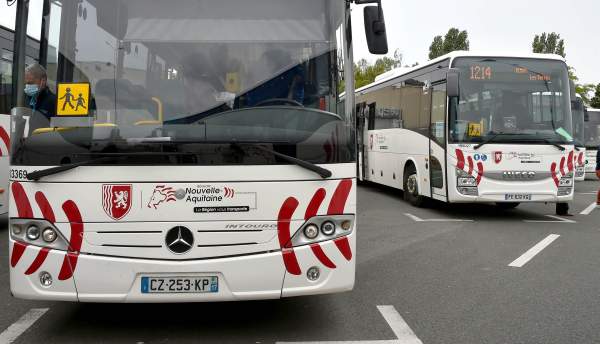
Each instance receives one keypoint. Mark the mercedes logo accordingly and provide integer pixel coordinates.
(179, 240)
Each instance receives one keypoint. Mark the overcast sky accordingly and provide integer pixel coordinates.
(507, 25)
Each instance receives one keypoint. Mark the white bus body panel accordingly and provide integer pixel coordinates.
(242, 247)
(590, 166)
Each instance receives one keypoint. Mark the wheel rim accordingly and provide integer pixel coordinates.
(411, 184)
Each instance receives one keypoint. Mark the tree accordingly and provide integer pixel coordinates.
(454, 40)
(365, 73)
(549, 43)
(595, 102)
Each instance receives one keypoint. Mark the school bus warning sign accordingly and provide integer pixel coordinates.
(73, 99)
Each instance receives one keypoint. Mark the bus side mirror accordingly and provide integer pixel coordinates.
(586, 115)
(452, 82)
(573, 89)
(375, 30)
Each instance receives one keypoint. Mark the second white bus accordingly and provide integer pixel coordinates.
(471, 127)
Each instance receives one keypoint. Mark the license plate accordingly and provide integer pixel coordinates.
(175, 285)
(517, 197)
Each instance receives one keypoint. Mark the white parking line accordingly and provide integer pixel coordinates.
(589, 209)
(557, 219)
(404, 335)
(17, 328)
(418, 219)
(532, 252)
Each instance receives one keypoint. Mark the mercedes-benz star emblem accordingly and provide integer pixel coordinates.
(179, 240)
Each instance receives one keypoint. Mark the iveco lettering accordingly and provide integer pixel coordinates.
(194, 144)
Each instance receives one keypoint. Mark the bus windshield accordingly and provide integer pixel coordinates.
(193, 76)
(577, 110)
(592, 129)
(511, 100)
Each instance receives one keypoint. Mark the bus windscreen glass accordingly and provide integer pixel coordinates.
(192, 77)
(592, 129)
(511, 100)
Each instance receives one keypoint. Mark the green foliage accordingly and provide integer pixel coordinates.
(595, 102)
(454, 40)
(549, 43)
(365, 73)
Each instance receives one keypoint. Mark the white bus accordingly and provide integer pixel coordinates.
(579, 114)
(592, 140)
(471, 127)
(199, 151)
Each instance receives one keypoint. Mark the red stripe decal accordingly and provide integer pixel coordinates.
(461, 159)
(291, 262)
(21, 200)
(45, 206)
(479, 172)
(17, 253)
(580, 159)
(562, 166)
(344, 246)
(470, 165)
(39, 260)
(70, 260)
(283, 232)
(68, 266)
(553, 170)
(570, 162)
(320, 254)
(5, 138)
(315, 204)
(339, 198)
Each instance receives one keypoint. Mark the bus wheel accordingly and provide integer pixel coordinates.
(411, 188)
(562, 209)
(507, 205)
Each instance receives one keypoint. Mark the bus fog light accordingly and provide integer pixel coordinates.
(313, 273)
(33, 232)
(328, 228)
(346, 225)
(17, 230)
(45, 279)
(468, 191)
(49, 235)
(311, 231)
(564, 191)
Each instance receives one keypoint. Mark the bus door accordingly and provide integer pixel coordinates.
(369, 112)
(360, 138)
(437, 142)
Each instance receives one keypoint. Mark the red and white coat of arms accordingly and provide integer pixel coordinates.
(116, 200)
(497, 157)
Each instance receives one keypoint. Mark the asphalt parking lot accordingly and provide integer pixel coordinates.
(442, 274)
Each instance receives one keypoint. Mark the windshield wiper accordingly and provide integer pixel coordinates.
(488, 140)
(323, 172)
(37, 175)
(555, 144)
(103, 157)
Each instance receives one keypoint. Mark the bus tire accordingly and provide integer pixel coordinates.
(562, 209)
(507, 205)
(411, 187)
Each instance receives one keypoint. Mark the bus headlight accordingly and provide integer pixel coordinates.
(311, 231)
(566, 182)
(322, 228)
(30, 232)
(49, 235)
(468, 181)
(33, 232)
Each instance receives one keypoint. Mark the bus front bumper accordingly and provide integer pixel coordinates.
(116, 279)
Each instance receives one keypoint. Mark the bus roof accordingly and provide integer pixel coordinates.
(398, 72)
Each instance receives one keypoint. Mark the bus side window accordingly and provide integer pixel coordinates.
(371, 114)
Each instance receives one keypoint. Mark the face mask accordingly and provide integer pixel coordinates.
(32, 89)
